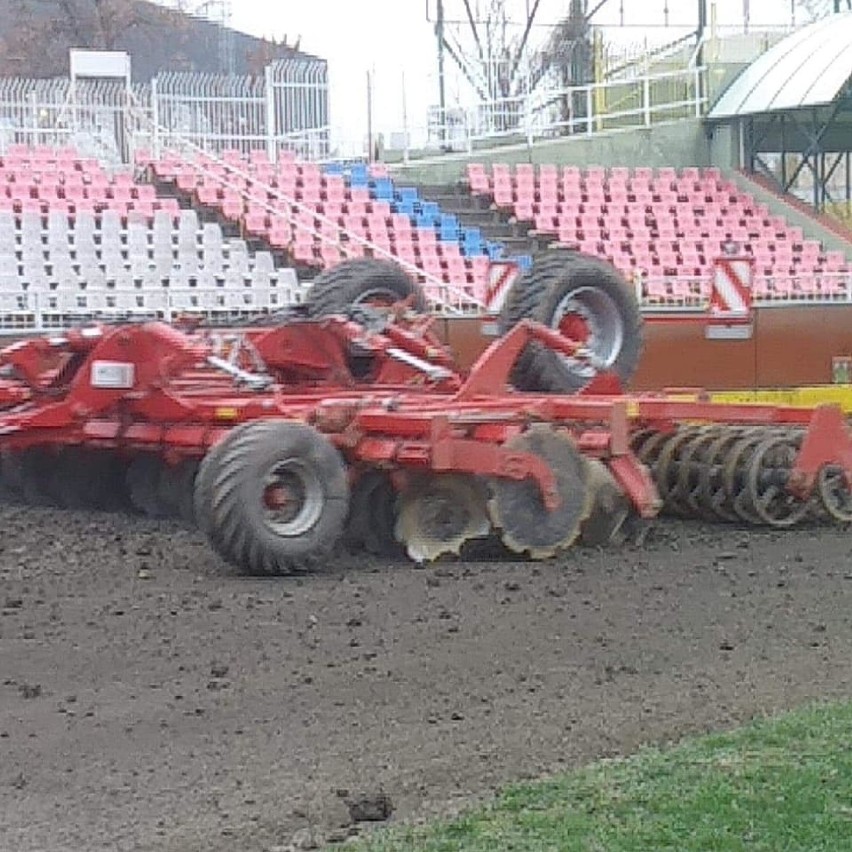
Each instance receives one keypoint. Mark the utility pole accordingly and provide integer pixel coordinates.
(369, 116)
(442, 88)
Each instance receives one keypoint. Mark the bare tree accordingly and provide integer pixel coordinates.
(815, 9)
(568, 59)
(38, 35)
(499, 60)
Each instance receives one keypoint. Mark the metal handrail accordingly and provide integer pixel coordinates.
(465, 303)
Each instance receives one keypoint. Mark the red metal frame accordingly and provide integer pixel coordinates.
(399, 416)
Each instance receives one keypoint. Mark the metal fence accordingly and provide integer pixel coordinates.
(88, 114)
(554, 112)
(284, 109)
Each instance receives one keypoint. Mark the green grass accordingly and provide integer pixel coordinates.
(777, 785)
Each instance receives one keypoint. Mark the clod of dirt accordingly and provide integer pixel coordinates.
(13, 603)
(219, 670)
(370, 807)
(30, 690)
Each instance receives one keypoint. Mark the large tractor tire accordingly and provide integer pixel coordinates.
(372, 516)
(143, 478)
(363, 281)
(205, 482)
(586, 299)
(278, 497)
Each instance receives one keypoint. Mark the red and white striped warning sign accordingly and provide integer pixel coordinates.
(730, 298)
(502, 275)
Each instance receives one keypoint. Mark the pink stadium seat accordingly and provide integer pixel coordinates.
(834, 261)
(381, 208)
(377, 223)
(331, 209)
(280, 234)
(478, 179)
(503, 194)
(360, 194)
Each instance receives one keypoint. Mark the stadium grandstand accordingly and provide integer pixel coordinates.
(144, 181)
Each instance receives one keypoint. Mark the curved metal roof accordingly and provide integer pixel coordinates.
(808, 68)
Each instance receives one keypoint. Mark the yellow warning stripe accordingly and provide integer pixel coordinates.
(803, 397)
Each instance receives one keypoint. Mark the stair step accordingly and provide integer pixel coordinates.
(517, 245)
(476, 212)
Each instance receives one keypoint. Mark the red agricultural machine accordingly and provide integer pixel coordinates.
(347, 420)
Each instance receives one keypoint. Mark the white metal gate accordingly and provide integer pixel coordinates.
(286, 108)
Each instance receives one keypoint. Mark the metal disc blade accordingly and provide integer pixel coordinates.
(438, 514)
(610, 508)
(518, 510)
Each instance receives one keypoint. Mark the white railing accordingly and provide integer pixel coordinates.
(23, 312)
(34, 312)
(690, 294)
(552, 112)
(287, 109)
(445, 297)
(284, 109)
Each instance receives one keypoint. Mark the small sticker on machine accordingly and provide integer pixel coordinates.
(113, 375)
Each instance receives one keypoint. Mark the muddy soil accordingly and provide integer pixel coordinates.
(150, 699)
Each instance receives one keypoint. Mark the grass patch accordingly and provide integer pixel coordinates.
(778, 785)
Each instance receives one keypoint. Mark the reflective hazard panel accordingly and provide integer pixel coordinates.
(113, 375)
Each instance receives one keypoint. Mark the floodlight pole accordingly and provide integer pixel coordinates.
(442, 88)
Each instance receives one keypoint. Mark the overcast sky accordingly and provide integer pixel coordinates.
(394, 39)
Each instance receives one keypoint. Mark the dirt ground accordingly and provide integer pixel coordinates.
(152, 700)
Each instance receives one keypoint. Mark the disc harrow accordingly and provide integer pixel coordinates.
(286, 440)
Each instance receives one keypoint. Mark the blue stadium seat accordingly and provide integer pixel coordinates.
(430, 210)
(429, 216)
(359, 175)
(449, 228)
(408, 193)
(472, 242)
(524, 261)
(383, 189)
(407, 206)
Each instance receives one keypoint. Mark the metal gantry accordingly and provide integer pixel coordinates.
(804, 152)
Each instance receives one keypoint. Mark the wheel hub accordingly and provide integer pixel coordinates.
(292, 498)
(591, 317)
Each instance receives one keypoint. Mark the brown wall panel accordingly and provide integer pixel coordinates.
(677, 354)
(796, 345)
(791, 346)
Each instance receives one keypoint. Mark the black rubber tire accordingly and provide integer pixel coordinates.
(336, 290)
(244, 459)
(176, 490)
(205, 479)
(143, 478)
(372, 516)
(83, 478)
(537, 294)
(30, 473)
(13, 472)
